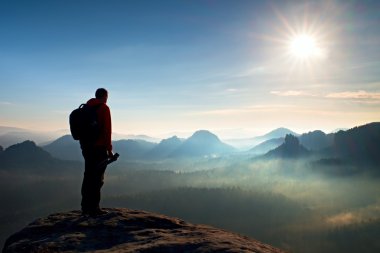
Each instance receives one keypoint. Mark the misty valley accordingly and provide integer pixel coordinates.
(313, 192)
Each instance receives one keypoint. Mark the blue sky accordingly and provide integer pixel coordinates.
(179, 66)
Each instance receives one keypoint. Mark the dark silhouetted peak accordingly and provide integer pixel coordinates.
(202, 143)
(291, 148)
(25, 155)
(291, 141)
(360, 144)
(1, 149)
(26, 150)
(124, 230)
(25, 144)
(316, 140)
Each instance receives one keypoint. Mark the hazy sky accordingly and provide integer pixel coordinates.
(180, 66)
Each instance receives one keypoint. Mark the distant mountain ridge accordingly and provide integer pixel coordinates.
(277, 133)
(164, 148)
(132, 149)
(250, 143)
(202, 143)
(117, 136)
(27, 156)
(313, 141)
(65, 148)
(27, 150)
(13, 135)
(360, 144)
(266, 146)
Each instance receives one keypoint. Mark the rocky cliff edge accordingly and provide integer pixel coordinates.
(125, 230)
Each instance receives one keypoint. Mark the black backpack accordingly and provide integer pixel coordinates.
(84, 124)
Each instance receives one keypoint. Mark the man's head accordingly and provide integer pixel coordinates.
(102, 94)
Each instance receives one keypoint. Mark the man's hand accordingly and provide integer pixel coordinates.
(110, 153)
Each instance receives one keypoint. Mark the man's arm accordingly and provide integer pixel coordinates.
(108, 131)
(106, 128)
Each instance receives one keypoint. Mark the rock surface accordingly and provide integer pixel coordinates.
(125, 230)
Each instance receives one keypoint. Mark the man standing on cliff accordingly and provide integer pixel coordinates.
(94, 152)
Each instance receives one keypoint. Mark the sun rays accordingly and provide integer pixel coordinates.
(300, 45)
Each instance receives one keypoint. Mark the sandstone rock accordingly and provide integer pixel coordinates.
(125, 230)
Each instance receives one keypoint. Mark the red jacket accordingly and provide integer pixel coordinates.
(104, 119)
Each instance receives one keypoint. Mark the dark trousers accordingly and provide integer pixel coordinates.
(93, 179)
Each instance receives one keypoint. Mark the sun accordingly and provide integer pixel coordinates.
(304, 47)
(301, 45)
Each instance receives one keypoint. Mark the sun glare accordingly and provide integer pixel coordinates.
(303, 47)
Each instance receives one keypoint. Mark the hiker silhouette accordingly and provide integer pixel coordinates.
(96, 150)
